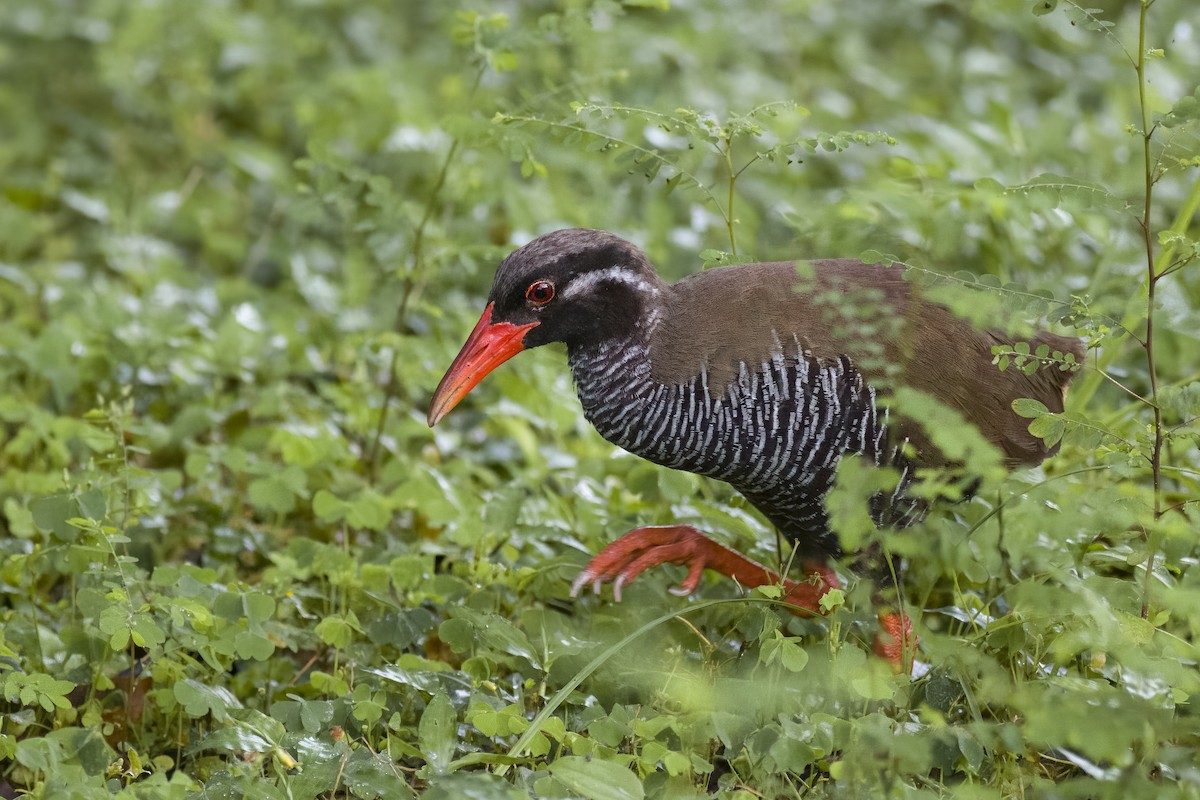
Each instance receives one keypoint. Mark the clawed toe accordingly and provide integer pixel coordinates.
(583, 579)
(642, 548)
(596, 578)
(626, 558)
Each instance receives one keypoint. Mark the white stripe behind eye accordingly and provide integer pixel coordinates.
(619, 274)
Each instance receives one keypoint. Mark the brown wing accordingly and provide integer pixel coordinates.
(719, 318)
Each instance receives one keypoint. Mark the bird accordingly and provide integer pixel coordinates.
(764, 376)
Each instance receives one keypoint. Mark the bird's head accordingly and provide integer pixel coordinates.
(577, 286)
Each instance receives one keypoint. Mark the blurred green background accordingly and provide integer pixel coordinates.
(240, 240)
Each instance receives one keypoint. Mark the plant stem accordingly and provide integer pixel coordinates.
(410, 288)
(1151, 284)
(727, 151)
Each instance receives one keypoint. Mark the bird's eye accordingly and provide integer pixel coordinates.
(540, 292)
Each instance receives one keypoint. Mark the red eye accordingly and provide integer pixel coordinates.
(540, 292)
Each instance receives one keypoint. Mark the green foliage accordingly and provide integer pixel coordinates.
(239, 242)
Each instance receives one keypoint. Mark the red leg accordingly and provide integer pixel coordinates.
(805, 596)
(642, 548)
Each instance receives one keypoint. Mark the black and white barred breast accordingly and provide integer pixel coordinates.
(776, 432)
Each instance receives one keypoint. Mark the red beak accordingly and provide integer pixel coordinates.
(488, 346)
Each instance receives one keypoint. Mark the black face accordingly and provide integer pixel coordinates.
(581, 286)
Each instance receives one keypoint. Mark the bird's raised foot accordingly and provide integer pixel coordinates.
(642, 548)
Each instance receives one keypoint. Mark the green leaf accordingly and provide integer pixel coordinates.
(314, 714)
(1182, 400)
(258, 607)
(332, 685)
(971, 749)
(92, 505)
(834, 598)
(296, 449)
(373, 775)
(145, 631)
(51, 513)
(274, 494)
(458, 634)
(1049, 428)
(472, 786)
(336, 630)
(369, 510)
(498, 633)
(115, 621)
(1028, 407)
(38, 689)
(874, 683)
(507, 721)
(328, 506)
(368, 706)
(785, 651)
(199, 699)
(253, 646)
(437, 733)
(597, 780)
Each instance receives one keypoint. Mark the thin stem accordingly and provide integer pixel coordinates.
(727, 151)
(747, 165)
(418, 258)
(1151, 278)
(1180, 505)
(410, 288)
(1124, 388)
(1151, 284)
(419, 234)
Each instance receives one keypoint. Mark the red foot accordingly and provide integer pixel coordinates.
(642, 548)
(896, 641)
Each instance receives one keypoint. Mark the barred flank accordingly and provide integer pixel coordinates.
(776, 432)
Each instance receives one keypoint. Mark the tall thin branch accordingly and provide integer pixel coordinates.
(1151, 284)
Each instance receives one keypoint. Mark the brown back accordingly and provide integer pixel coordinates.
(719, 318)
